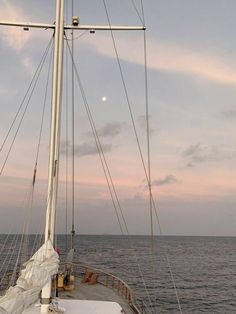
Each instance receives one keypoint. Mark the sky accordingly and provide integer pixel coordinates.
(191, 91)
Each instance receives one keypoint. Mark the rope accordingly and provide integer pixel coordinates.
(40, 135)
(26, 107)
(67, 118)
(43, 111)
(136, 9)
(4, 244)
(107, 173)
(7, 259)
(97, 142)
(79, 36)
(148, 145)
(148, 135)
(73, 133)
(22, 102)
(24, 237)
(147, 173)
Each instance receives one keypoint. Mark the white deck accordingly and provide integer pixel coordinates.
(82, 307)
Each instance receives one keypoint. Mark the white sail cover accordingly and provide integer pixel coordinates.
(42, 265)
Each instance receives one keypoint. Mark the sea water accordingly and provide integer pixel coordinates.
(203, 268)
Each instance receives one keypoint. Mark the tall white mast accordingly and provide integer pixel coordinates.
(59, 28)
(55, 138)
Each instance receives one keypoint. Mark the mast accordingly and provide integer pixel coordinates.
(53, 170)
(73, 131)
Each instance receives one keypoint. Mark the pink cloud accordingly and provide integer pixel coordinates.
(170, 57)
(15, 37)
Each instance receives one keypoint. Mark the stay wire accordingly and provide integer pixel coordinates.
(107, 173)
(152, 202)
(150, 187)
(67, 137)
(10, 251)
(142, 10)
(73, 133)
(26, 107)
(24, 236)
(141, 18)
(8, 258)
(134, 127)
(67, 143)
(3, 246)
(99, 147)
(44, 107)
(79, 36)
(40, 133)
(126, 93)
(24, 98)
(148, 137)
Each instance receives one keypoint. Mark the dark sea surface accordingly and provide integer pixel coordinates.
(203, 268)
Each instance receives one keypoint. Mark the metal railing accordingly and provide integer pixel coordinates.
(108, 280)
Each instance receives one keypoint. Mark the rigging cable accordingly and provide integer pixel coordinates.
(66, 126)
(39, 69)
(79, 36)
(24, 98)
(73, 132)
(141, 18)
(98, 144)
(150, 186)
(30, 195)
(22, 252)
(150, 190)
(135, 132)
(8, 258)
(3, 246)
(40, 136)
(106, 171)
(148, 134)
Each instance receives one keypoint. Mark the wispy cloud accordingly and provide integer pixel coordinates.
(229, 114)
(28, 65)
(171, 57)
(198, 153)
(110, 129)
(15, 37)
(142, 121)
(85, 149)
(169, 179)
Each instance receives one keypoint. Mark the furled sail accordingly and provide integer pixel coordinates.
(41, 266)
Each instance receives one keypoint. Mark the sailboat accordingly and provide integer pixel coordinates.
(32, 292)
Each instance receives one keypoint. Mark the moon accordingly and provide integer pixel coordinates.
(104, 98)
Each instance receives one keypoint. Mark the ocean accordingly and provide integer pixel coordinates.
(203, 268)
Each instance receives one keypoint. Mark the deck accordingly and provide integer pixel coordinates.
(81, 307)
(96, 292)
(108, 290)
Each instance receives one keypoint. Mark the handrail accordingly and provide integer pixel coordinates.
(105, 278)
(111, 281)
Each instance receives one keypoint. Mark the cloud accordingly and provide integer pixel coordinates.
(28, 65)
(110, 129)
(170, 179)
(142, 121)
(15, 37)
(170, 57)
(85, 149)
(198, 153)
(229, 114)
